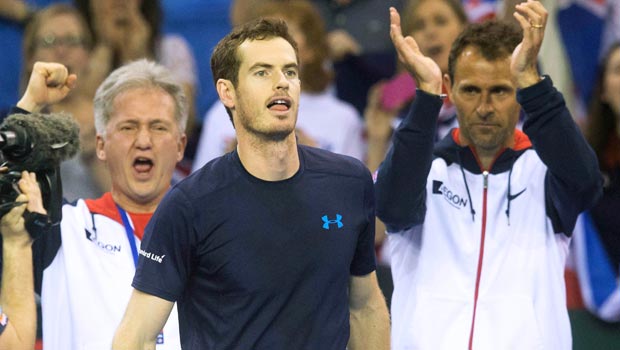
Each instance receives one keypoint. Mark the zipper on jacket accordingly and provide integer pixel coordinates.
(485, 183)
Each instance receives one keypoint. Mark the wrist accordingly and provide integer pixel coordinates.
(29, 105)
(16, 242)
(433, 89)
(528, 79)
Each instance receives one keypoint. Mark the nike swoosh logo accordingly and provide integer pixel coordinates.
(514, 196)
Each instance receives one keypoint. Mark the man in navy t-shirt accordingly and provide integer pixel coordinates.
(270, 246)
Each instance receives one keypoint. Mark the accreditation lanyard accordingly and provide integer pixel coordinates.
(130, 236)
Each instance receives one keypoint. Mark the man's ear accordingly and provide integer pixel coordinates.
(447, 83)
(181, 144)
(226, 92)
(99, 147)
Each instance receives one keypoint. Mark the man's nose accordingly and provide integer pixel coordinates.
(282, 82)
(143, 138)
(485, 108)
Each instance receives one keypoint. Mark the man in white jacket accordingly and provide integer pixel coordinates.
(480, 223)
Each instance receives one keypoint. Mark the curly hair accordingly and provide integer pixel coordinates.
(494, 40)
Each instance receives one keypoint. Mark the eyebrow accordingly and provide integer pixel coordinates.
(270, 66)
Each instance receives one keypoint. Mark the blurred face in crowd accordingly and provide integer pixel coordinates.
(305, 52)
(611, 83)
(61, 39)
(434, 27)
(116, 10)
(141, 146)
(265, 100)
(484, 94)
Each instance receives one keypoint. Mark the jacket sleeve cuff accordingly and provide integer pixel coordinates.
(17, 110)
(536, 95)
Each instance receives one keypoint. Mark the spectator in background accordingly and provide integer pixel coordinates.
(596, 246)
(127, 30)
(434, 24)
(18, 314)
(359, 43)
(14, 16)
(324, 121)
(58, 33)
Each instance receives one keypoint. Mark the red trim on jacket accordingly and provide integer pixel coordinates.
(106, 206)
(522, 141)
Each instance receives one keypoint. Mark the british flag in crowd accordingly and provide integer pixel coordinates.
(588, 28)
(480, 10)
(582, 26)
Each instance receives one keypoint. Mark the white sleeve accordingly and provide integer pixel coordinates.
(217, 131)
(175, 54)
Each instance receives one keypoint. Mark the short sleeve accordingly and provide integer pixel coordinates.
(364, 260)
(166, 251)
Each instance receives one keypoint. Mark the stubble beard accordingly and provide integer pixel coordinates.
(264, 134)
(490, 142)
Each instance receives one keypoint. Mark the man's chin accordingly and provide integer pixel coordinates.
(276, 135)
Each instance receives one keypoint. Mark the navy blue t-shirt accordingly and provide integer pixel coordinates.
(254, 264)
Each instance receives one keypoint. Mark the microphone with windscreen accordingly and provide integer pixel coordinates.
(36, 143)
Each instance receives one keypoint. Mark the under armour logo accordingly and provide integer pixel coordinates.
(327, 221)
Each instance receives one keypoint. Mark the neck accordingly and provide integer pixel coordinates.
(147, 206)
(486, 158)
(269, 160)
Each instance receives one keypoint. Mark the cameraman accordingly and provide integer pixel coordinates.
(49, 82)
(18, 314)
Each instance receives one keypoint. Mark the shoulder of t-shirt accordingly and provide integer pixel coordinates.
(217, 174)
(322, 161)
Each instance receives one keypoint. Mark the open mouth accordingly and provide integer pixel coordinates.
(434, 50)
(279, 104)
(142, 165)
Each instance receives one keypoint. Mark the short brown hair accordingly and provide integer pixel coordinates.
(225, 62)
(493, 39)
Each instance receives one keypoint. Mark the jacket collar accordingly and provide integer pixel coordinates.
(451, 151)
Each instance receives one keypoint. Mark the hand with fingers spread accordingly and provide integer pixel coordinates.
(29, 186)
(532, 18)
(423, 69)
(48, 84)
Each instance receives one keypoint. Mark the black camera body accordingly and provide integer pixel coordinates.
(36, 143)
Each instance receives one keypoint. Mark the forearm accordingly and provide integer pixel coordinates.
(144, 318)
(124, 339)
(401, 180)
(370, 325)
(17, 295)
(15, 10)
(377, 148)
(99, 66)
(558, 141)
